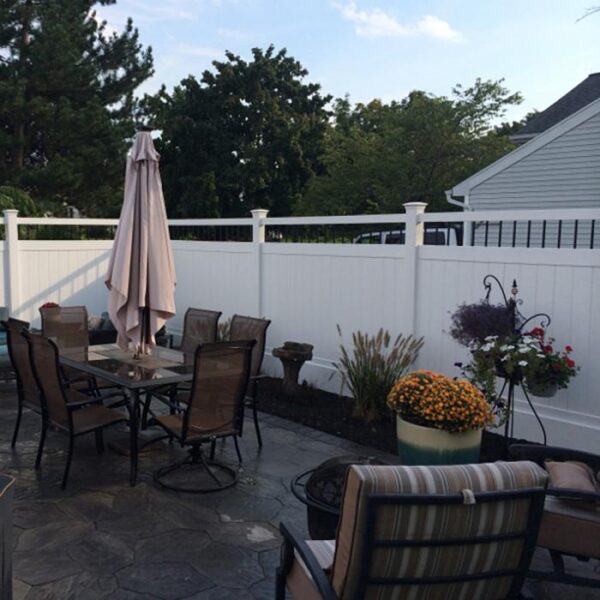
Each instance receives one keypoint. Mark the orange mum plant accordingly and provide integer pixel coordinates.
(435, 400)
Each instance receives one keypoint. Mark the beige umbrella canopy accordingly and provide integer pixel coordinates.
(141, 272)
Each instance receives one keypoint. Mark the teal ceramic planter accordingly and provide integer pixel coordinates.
(419, 445)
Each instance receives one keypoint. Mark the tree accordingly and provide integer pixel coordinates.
(379, 156)
(66, 94)
(248, 135)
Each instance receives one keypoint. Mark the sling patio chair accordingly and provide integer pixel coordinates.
(571, 519)
(199, 327)
(250, 328)
(437, 533)
(67, 326)
(28, 395)
(66, 409)
(214, 409)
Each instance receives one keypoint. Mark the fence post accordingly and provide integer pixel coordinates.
(12, 280)
(258, 239)
(413, 238)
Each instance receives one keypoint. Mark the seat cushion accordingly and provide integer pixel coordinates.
(299, 583)
(94, 417)
(570, 529)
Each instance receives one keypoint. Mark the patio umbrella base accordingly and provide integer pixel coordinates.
(208, 475)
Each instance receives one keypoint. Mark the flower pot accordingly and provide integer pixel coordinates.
(418, 445)
(542, 389)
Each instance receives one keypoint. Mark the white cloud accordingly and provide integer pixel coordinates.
(377, 23)
(436, 28)
(231, 34)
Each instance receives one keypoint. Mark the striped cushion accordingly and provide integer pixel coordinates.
(429, 521)
(299, 581)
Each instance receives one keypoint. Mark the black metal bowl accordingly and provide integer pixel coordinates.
(321, 490)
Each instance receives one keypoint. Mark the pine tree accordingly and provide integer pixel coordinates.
(66, 96)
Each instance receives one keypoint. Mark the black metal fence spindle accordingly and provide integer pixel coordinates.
(499, 234)
(575, 232)
(544, 233)
(485, 237)
(592, 233)
(559, 233)
(514, 234)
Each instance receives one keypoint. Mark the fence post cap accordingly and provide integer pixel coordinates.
(259, 213)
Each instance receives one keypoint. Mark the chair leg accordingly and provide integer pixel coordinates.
(282, 571)
(68, 465)
(213, 446)
(146, 411)
(38, 458)
(237, 449)
(99, 441)
(258, 436)
(17, 424)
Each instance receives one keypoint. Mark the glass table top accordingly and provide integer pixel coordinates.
(109, 362)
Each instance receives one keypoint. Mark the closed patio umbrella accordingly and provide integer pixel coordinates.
(141, 272)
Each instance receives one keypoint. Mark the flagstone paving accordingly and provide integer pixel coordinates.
(103, 539)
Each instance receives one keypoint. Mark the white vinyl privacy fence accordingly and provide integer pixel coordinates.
(310, 274)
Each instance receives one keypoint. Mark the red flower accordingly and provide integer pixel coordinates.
(49, 305)
(537, 332)
(570, 363)
(547, 349)
(568, 349)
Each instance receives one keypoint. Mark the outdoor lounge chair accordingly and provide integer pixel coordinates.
(571, 519)
(213, 409)
(250, 328)
(67, 410)
(441, 533)
(28, 395)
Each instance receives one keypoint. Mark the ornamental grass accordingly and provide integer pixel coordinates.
(435, 400)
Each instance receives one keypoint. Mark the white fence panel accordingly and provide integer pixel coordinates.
(66, 272)
(309, 289)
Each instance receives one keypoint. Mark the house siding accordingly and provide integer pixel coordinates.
(564, 173)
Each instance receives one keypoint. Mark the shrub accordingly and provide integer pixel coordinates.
(373, 366)
(223, 330)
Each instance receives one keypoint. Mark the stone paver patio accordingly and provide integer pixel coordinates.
(104, 539)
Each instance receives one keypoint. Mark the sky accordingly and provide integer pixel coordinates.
(379, 48)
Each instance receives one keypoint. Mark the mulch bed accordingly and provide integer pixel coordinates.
(333, 414)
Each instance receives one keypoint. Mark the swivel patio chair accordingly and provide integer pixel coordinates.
(571, 520)
(440, 533)
(214, 409)
(250, 328)
(65, 409)
(199, 327)
(27, 391)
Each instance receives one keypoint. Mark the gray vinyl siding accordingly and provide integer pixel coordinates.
(564, 173)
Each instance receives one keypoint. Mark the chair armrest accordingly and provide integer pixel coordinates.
(539, 454)
(573, 494)
(293, 542)
(82, 403)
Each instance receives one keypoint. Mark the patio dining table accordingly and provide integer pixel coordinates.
(164, 366)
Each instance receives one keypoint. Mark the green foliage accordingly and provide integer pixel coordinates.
(66, 88)
(15, 198)
(372, 367)
(224, 330)
(379, 156)
(248, 135)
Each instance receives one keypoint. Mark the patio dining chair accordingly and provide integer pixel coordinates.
(27, 391)
(66, 409)
(199, 327)
(571, 519)
(214, 409)
(441, 533)
(250, 328)
(67, 326)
